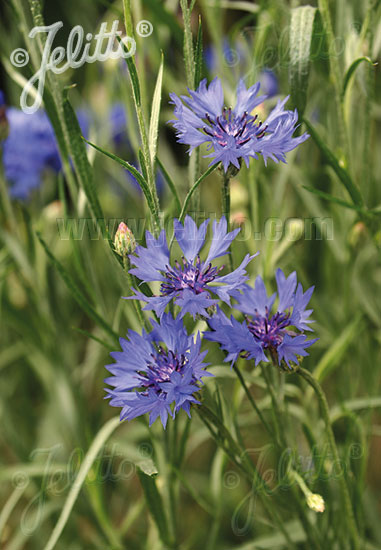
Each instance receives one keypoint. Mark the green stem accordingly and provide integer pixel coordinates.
(252, 402)
(225, 190)
(277, 415)
(309, 529)
(331, 438)
(137, 306)
(239, 456)
(336, 74)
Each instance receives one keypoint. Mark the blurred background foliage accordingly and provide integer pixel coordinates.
(299, 215)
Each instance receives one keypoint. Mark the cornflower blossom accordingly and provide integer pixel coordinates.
(190, 282)
(157, 372)
(30, 149)
(233, 135)
(279, 335)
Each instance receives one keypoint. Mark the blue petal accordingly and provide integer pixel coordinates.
(255, 299)
(286, 289)
(221, 239)
(151, 260)
(189, 237)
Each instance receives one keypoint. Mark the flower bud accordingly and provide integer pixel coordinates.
(124, 241)
(358, 234)
(294, 229)
(315, 502)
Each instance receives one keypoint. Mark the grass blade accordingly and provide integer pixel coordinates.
(91, 455)
(193, 189)
(170, 183)
(198, 57)
(342, 174)
(155, 505)
(301, 33)
(76, 292)
(155, 113)
(138, 176)
(188, 44)
(351, 70)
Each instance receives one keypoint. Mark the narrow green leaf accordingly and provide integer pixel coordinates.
(142, 163)
(148, 467)
(198, 56)
(139, 178)
(193, 189)
(133, 74)
(155, 113)
(95, 338)
(76, 292)
(351, 70)
(128, 18)
(301, 33)
(171, 183)
(188, 43)
(334, 354)
(342, 174)
(90, 457)
(361, 403)
(330, 198)
(81, 162)
(155, 505)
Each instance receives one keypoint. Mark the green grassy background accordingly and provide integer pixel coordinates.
(52, 365)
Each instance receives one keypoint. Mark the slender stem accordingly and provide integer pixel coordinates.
(137, 306)
(252, 402)
(275, 408)
(239, 456)
(281, 442)
(336, 73)
(331, 438)
(225, 190)
(170, 453)
(226, 196)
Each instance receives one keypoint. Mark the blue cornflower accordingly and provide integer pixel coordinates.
(262, 333)
(234, 134)
(30, 149)
(157, 372)
(191, 282)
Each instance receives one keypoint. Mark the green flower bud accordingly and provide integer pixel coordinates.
(316, 502)
(124, 241)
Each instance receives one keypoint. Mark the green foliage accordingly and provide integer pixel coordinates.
(234, 476)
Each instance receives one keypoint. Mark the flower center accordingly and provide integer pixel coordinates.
(164, 363)
(269, 330)
(190, 276)
(227, 126)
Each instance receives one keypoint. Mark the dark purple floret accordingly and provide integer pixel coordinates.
(234, 135)
(157, 372)
(188, 276)
(194, 285)
(279, 335)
